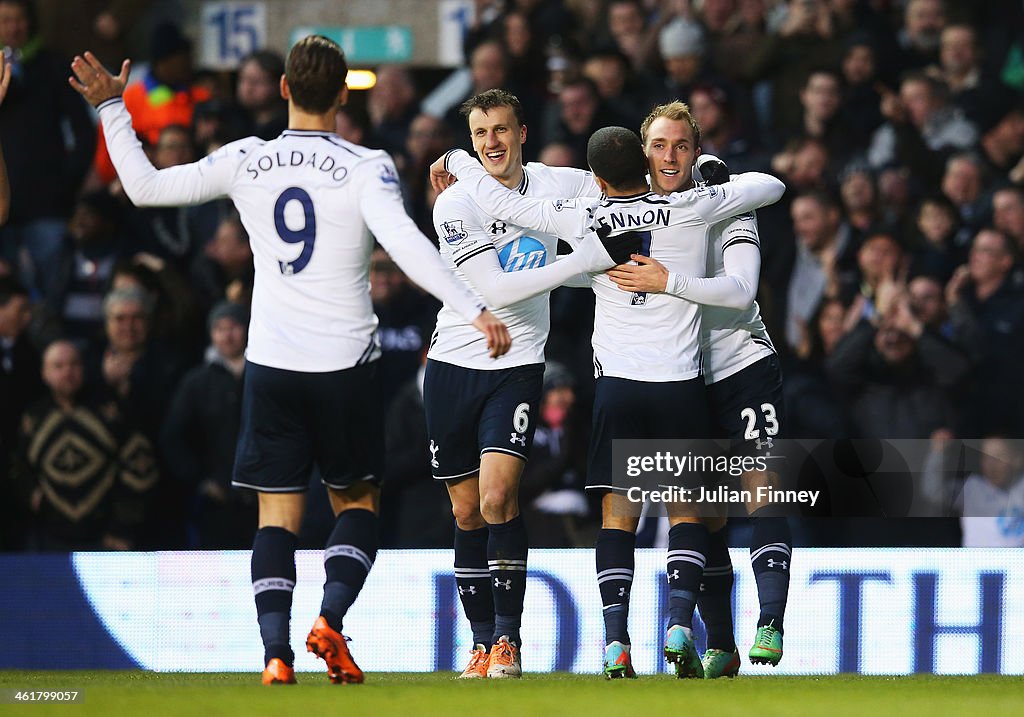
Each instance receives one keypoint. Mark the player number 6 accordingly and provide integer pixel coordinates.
(521, 418)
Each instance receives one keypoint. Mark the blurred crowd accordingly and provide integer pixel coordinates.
(892, 281)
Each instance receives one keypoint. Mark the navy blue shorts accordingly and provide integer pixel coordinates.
(471, 412)
(624, 408)
(293, 419)
(748, 406)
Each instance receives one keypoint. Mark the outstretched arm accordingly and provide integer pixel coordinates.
(568, 218)
(745, 193)
(736, 290)
(195, 183)
(384, 213)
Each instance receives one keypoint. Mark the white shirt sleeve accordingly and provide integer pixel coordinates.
(209, 178)
(380, 200)
(559, 217)
(742, 260)
(744, 193)
(500, 288)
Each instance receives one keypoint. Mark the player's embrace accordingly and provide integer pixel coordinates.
(310, 392)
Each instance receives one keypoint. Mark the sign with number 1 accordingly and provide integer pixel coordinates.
(230, 31)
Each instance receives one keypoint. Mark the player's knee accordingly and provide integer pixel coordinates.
(467, 516)
(500, 504)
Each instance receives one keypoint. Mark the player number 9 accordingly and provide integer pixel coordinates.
(305, 236)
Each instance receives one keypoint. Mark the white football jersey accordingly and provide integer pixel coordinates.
(731, 339)
(643, 337)
(465, 230)
(306, 199)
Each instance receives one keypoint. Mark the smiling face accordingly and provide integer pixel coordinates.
(671, 152)
(498, 141)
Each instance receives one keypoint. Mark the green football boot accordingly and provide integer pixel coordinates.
(767, 649)
(617, 663)
(719, 663)
(681, 652)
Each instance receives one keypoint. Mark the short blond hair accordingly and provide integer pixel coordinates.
(676, 111)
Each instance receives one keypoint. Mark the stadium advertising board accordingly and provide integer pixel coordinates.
(873, 611)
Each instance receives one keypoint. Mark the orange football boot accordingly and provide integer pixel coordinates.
(278, 673)
(479, 661)
(331, 646)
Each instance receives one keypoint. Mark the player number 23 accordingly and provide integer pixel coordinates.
(305, 236)
(771, 427)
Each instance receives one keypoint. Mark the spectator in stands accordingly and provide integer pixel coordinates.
(928, 304)
(391, 104)
(859, 196)
(626, 94)
(1008, 214)
(861, 100)
(880, 262)
(578, 112)
(224, 269)
(19, 387)
(166, 95)
(682, 48)
(1002, 137)
(960, 68)
(822, 264)
(558, 154)
(352, 124)
(47, 136)
(935, 250)
(130, 367)
(427, 140)
(90, 474)
(990, 501)
(984, 303)
(813, 404)
(963, 183)
(919, 40)
(200, 433)
(93, 247)
(896, 375)
(722, 131)
(804, 41)
(820, 100)
(921, 126)
(165, 232)
(258, 93)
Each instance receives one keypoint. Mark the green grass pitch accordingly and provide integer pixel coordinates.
(150, 694)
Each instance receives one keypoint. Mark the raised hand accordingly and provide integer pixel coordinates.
(94, 82)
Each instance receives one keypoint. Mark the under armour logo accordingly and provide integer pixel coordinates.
(471, 589)
(674, 575)
(434, 448)
(507, 584)
(499, 228)
(773, 563)
(765, 444)
(516, 438)
(622, 592)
